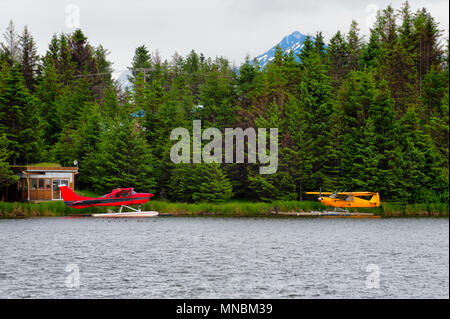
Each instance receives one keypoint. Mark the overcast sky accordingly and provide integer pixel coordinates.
(230, 28)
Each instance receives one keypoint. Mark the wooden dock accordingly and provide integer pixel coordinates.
(327, 214)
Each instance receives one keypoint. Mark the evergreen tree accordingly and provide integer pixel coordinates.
(140, 94)
(386, 27)
(28, 59)
(315, 99)
(371, 51)
(386, 133)
(278, 186)
(245, 81)
(367, 160)
(141, 63)
(83, 58)
(199, 182)
(64, 64)
(10, 45)
(7, 177)
(215, 187)
(104, 66)
(86, 140)
(319, 44)
(434, 87)
(356, 97)
(217, 95)
(110, 106)
(123, 160)
(338, 54)
(438, 129)
(427, 46)
(47, 91)
(19, 119)
(295, 144)
(422, 168)
(307, 50)
(354, 46)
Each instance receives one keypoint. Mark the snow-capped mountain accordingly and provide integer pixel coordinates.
(293, 42)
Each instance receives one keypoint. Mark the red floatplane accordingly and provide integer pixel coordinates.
(123, 197)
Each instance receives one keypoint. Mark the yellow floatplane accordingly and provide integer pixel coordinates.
(344, 200)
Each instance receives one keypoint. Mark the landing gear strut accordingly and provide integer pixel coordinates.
(131, 208)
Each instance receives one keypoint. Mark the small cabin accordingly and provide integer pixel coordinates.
(40, 183)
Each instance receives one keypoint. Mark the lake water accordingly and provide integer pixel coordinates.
(210, 257)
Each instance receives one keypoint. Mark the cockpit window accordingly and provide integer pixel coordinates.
(124, 195)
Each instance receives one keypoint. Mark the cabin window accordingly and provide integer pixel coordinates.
(41, 183)
(110, 196)
(117, 196)
(34, 183)
(47, 183)
(124, 195)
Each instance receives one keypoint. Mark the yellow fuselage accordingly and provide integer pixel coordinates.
(356, 202)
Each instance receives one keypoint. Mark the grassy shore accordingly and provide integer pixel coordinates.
(231, 208)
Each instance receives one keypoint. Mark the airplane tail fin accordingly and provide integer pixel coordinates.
(68, 194)
(375, 200)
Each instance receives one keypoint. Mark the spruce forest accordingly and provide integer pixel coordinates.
(356, 113)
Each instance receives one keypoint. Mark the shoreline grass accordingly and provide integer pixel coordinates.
(230, 208)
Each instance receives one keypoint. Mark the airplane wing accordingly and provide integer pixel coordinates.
(344, 193)
(358, 193)
(318, 193)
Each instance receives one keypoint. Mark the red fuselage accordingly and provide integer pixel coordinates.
(118, 197)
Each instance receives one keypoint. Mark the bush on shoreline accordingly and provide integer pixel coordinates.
(232, 208)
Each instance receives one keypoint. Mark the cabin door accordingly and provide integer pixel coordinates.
(56, 194)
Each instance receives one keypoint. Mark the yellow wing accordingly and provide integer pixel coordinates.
(318, 193)
(344, 193)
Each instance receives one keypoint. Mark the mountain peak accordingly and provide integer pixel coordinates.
(292, 42)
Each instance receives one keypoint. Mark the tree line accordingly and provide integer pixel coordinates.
(352, 114)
